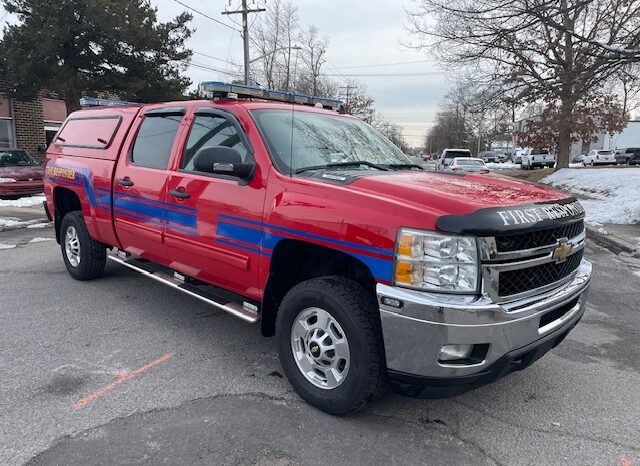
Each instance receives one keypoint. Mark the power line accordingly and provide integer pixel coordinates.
(213, 58)
(383, 64)
(206, 68)
(206, 15)
(384, 75)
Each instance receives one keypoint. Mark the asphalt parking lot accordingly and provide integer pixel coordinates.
(123, 370)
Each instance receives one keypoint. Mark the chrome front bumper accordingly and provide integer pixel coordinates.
(415, 332)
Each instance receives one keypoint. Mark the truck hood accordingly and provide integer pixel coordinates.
(22, 173)
(444, 194)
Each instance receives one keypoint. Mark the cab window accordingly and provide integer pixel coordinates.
(154, 141)
(211, 131)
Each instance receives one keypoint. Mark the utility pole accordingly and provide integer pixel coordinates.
(347, 88)
(245, 33)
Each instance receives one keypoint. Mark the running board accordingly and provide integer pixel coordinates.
(221, 299)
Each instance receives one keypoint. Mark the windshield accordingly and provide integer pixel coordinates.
(302, 139)
(17, 158)
(456, 153)
(539, 152)
(469, 162)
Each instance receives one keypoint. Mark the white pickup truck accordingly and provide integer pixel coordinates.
(533, 158)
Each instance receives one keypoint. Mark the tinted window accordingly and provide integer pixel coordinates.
(456, 153)
(94, 133)
(539, 152)
(211, 131)
(154, 141)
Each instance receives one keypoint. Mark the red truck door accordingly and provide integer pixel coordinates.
(140, 207)
(225, 247)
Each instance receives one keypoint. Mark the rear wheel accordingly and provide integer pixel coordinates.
(84, 257)
(330, 344)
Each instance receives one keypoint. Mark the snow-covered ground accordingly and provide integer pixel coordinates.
(613, 194)
(503, 166)
(28, 201)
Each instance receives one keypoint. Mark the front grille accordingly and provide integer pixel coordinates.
(513, 282)
(534, 239)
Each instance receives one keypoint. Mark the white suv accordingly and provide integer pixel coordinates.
(599, 157)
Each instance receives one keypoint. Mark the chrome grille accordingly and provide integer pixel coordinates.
(534, 239)
(523, 265)
(522, 280)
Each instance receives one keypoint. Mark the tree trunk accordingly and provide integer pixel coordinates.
(564, 134)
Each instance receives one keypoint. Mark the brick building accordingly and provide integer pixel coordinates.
(29, 125)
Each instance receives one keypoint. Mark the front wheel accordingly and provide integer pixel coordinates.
(84, 257)
(330, 344)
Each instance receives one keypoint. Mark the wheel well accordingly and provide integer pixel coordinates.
(293, 262)
(65, 201)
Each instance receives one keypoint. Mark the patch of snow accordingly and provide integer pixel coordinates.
(39, 225)
(613, 194)
(10, 222)
(503, 166)
(637, 274)
(13, 222)
(28, 201)
(576, 165)
(40, 240)
(7, 246)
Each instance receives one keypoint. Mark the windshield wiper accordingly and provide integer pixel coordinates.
(342, 164)
(403, 165)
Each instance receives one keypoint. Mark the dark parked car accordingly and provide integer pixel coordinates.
(20, 174)
(630, 156)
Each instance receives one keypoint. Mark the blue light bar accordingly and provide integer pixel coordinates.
(94, 102)
(229, 90)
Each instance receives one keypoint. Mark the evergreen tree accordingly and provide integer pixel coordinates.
(85, 47)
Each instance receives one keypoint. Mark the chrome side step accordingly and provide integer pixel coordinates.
(246, 311)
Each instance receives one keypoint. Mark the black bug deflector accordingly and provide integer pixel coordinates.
(513, 219)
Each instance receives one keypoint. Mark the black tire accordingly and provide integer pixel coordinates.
(93, 255)
(356, 311)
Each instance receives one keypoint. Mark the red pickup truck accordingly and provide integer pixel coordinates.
(370, 271)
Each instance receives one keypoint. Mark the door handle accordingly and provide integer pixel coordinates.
(181, 194)
(125, 182)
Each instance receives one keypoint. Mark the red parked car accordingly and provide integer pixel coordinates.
(367, 268)
(20, 174)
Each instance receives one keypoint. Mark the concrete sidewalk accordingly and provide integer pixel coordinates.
(617, 238)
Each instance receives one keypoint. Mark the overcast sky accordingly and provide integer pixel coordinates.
(361, 32)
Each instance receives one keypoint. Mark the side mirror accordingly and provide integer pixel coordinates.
(222, 160)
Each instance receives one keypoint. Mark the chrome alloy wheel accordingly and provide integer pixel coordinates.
(72, 246)
(320, 348)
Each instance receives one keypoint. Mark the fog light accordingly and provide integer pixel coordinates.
(455, 352)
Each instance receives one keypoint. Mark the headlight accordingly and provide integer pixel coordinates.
(435, 262)
(7, 180)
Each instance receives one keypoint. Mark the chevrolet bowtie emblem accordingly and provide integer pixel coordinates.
(563, 250)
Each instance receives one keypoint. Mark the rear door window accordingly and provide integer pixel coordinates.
(154, 141)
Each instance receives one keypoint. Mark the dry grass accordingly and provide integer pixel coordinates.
(529, 175)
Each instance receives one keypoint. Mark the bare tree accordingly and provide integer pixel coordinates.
(561, 52)
(391, 131)
(314, 47)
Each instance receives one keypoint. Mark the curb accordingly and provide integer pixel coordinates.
(613, 243)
